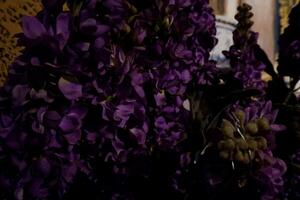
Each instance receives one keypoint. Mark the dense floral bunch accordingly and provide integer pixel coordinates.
(118, 99)
(249, 131)
(99, 88)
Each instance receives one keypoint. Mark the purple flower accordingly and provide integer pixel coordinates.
(271, 175)
(62, 29)
(19, 94)
(161, 124)
(123, 112)
(104, 84)
(34, 29)
(140, 134)
(37, 189)
(137, 80)
(69, 172)
(71, 124)
(43, 165)
(70, 90)
(6, 124)
(51, 119)
(178, 50)
(185, 159)
(139, 33)
(91, 27)
(203, 20)
(160, 99)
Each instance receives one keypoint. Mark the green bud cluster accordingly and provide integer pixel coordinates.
(242, 149)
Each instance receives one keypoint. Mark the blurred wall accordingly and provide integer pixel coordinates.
(265, 24)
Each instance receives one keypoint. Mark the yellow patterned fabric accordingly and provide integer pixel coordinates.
(11, 12)
(285, 8)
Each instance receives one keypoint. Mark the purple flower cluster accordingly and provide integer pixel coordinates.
(243, 61)
(271, 175)
(120, 98)
(257, 127)
(269, 170)
(110, 75)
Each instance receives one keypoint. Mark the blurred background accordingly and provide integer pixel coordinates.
(270, 18)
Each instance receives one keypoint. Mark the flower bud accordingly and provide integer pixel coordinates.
(251, 128)
(238, 156)
(126, 28)
(252, 144)
(167, 22)
(242, 144)
(224, 154)
(229, 144)
(263, 124)
(227, 128)
(240, 115)
(262, 143)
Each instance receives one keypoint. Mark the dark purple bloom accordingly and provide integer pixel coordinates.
(51, 119)
(32, 27)
(43, 165)
(91, 27)
(185, 160)
(99, 89)
(71, 124)
(6, 124)
(19, 94)
(70, 90)
(137, 79)
(178, 50)
(37, 189)
(140, 134)
(62, 29)
(123, 112)
(271, 175)
(161, 124)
